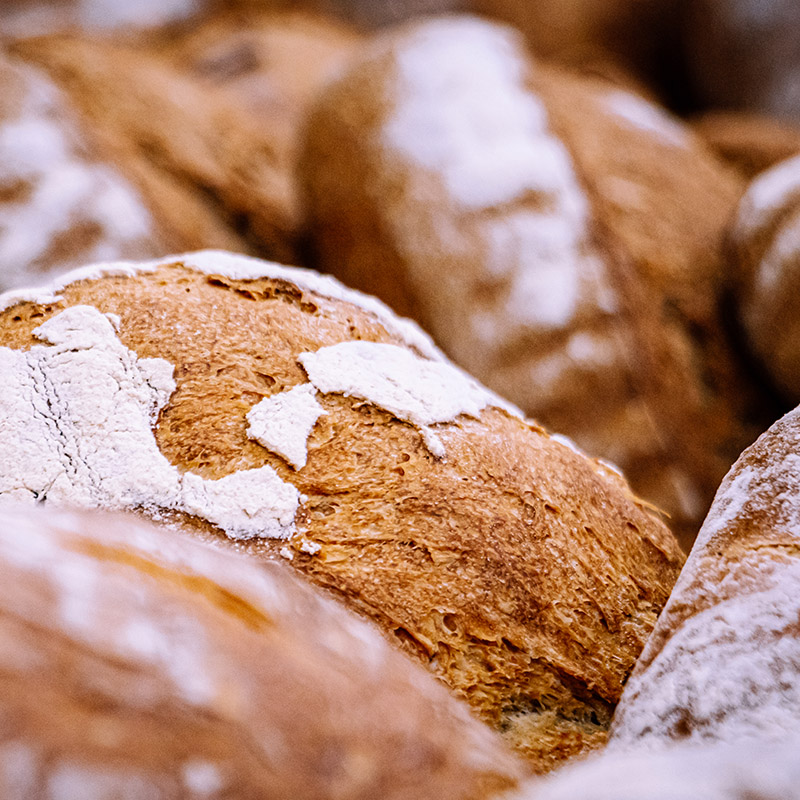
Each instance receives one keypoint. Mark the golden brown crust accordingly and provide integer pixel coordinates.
(524, 574)
(204, 167)
(139, 661)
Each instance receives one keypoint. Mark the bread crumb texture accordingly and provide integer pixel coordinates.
(722, 662)
(524, 574)
(135, 662)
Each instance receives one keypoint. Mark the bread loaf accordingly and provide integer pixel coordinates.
(138, 663)
(765, 243)
(561, 240)
(273, 410)
(211, 175)
(723, 662)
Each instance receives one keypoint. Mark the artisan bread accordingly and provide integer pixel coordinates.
(271, 409)
(561, 239)
(687, 772)
(723, 662)
(765, 244)
(61, 203)
(138, 663)
(209, 172)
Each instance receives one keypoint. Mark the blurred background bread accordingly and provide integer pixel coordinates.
(138, 663)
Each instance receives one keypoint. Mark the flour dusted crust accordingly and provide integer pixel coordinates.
(524, 574)
(559, 237)
(61, 205)
(765, 240)
(207, 172)
(713, 772)
(723, 660)
(139, 663)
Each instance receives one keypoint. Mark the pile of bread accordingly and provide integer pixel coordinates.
(264, 536)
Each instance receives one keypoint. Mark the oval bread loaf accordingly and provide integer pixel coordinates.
(723, 661)
(273, 408)
(559, 238)
(138, 663)
(765, 242)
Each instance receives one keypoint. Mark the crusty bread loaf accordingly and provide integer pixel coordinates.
(61, 203)
(765, 243)
(724, 659)
(305, 421)
(202, 164)
(137, 663)
(750, 143)
(559, 238)
(689, 772)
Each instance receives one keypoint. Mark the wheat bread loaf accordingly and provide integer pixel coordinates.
(204, 166)
(765, 246)
(275, 411)
(722, 664)
(559, 237)
(138, 663)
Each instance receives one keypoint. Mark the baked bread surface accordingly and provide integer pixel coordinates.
(523, 573)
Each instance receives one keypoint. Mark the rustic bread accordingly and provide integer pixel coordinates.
(305, 421)
(205, 167)
(561, 239)
(723, 661)
(61, 203)
(765, 243)
(138, 663)
(750, 143)
(711, 772)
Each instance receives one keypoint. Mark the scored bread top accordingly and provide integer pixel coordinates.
(522, 572)
(139, 663)
(722, 662)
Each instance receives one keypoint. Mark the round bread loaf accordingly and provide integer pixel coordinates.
(723, 663)
(750, 143)
(711, 772)
(271, 408)
(137, 663)
(559, 238)
(765, 240)
(211, 176)
(61, 204)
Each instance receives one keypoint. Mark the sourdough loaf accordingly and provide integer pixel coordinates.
(560, 238)
(137, 663)
(723, 662)
(271, 409)
(765, 244)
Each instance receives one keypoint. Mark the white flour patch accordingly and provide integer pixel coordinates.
(282, 423)
(765, 196)
(421, 392)
(76, 423)
(638, 113)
